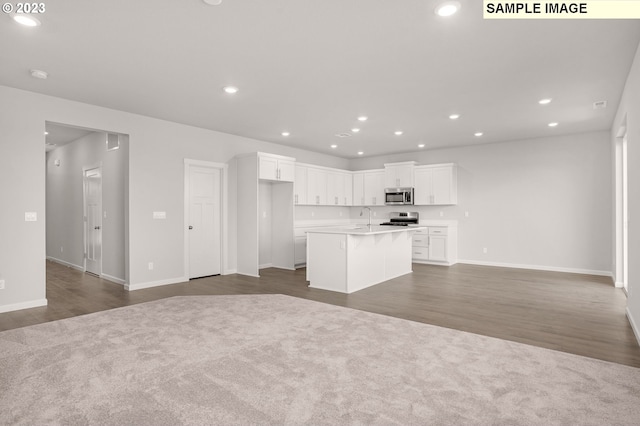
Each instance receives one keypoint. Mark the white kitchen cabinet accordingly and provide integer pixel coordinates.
(358, 189)
(347, 178)
(300, 248)
(435, 245)
(374, 188)
(399, 175)
(276, 167)
(316, 186)
(339, 188)
(436, 185)
(300, 185)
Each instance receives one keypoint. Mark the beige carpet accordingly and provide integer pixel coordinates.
(276, 359)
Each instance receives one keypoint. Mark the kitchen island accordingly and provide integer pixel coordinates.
(352, 258)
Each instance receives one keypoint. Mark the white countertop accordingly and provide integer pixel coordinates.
(364, 229)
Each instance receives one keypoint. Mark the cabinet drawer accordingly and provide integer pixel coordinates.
(423, 231)
(420, 241)
(420, 253)
(439, 230)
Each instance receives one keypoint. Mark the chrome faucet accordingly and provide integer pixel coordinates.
(368, 208)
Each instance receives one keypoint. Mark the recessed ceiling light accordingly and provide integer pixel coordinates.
(230, 89)
(355, 130)
(421, 145)
(285, 133)
(26, 20)
(334, 146)
(545, 101)
(553, 124)
(360, 152)
(42, 75)
(397, 132)
(212, 2)
(454, 116)
(363, 118)
(478, 134)
(46, 133)
(447, 8)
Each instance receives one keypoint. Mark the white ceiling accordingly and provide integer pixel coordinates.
(312, 67)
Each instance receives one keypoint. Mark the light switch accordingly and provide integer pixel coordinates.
(159, 215)
(30, 216)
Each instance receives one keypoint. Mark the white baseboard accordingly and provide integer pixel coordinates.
(230, 271)
(539, 268)
(140, 286)
(112, 279)
(619, 284)
(23, 305)
(65, 263)
(634, 327)
(265, 265)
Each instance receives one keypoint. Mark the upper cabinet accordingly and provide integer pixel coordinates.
(436, 185)
(300, 185)
(276, 167)
(316, 186)
(399, 175)
(368, 188)
(374, 188)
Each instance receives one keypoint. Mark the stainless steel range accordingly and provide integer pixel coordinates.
(402, 219)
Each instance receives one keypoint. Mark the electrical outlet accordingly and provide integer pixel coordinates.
(441, 214)
(1, 284)
(61, 249)
(485, 250)
(466, 214)
(150, 266)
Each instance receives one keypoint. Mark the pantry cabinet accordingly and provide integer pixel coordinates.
(436, 185)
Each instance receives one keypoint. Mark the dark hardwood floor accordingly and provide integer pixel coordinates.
(579, 314)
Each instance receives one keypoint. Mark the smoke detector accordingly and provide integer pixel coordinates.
(343, 135)
(600, 105)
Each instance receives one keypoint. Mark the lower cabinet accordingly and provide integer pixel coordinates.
(436, 245)
(300, 248)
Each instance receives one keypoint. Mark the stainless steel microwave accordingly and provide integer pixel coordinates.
(398, 196)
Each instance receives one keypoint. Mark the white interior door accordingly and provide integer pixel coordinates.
(204, 221)
(93, 220)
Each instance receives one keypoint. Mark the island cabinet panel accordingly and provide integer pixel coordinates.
(436, 185)
(348, 260)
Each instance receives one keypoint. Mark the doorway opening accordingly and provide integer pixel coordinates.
(87, 186)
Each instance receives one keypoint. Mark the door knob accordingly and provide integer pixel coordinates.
(190, 227)
(97, 227)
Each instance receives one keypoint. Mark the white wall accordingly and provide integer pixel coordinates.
(157, 150)
(629, 109)
(537, 203)
(64, 211)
